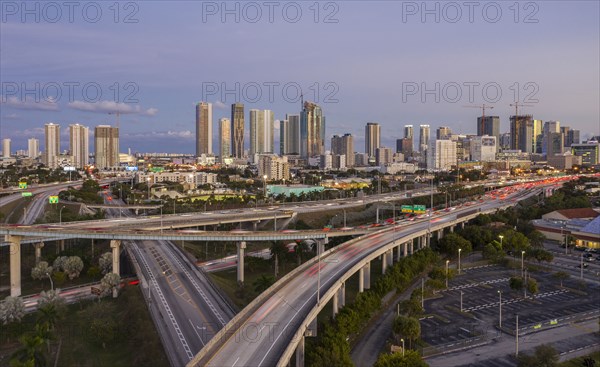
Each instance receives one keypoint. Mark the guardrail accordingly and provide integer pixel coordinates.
(535, 327)
(435, 350)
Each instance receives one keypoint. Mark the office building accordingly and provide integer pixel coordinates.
(572, 138)
(106, 146)
(483, 148)
(521, 133)
(33, 148)
(549, 128)
(52, 145)
(554, 144)
(443, 133)
(383, 156)
(441, 156)
(6, 148)
(312, 130)
(203, 128)
(344, 145)
(537, 135)
(224, 138)
(589, 152)
(404, 146)
(409, 132)
(275, 168)
(79, 144)
(372, 138)
(289, 135)
(424, 133)
(261, 132)
(490, 125)
(237, 130)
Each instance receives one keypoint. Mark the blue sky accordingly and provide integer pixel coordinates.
(364, 61)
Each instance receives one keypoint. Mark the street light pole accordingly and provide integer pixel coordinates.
(447, 262)
(459, 251)
(402, 340)
(461, 304)
(500, 309)
(517, 337)
(501, 237)
(60, 215)
(522, 263)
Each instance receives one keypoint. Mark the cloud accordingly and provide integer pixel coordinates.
(12, 116)
(28, 104)
(28, 133)
(112, 107)
(220, 105)
(184, 134)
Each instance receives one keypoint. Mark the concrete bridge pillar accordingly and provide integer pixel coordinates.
(116, 251)
(384, 262)
(336, 299)
(321, 245)
(15, 264)
(452, 229)
(62, 245)
(342, 294)
(390, 257)
(399, 252)
(462, 225)
(405, 249)
(255, 225)
(364, 281)
(411, 247)
(440, 234)
(241, 246)
(300, 353)
(38, 252)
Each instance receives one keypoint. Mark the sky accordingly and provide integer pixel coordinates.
(391, 62)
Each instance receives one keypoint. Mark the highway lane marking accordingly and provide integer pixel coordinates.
(236, 361)
(194, 327)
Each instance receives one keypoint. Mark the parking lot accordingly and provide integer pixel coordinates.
(445, 327)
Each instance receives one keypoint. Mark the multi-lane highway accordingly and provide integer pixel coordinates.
(190, 311)
(266, 332)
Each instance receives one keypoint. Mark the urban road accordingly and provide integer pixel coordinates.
(267, 332)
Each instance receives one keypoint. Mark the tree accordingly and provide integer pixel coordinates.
(515, 241)
(543, 356)
(12, 309)
(539, 254)
(59, 263)
(30, 353)
(516, 283)
(42, 271)
(410, 307)
(105, 263)
(532, 286)
(493, 252)
(263, 283)
(536, 238)
(561, 276)
(109, 283)
(407, 328)
(409, 358)
(450, 244)
(73, 266)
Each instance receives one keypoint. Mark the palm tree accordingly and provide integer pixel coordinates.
(263, 283)
(30, 353)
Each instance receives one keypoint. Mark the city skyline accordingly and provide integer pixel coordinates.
(168, 73)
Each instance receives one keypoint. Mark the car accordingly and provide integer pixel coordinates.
(598, 257)
(585, 265)
(579, 248)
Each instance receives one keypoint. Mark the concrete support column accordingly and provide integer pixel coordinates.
(336, 299)
(241, 246)
(405, 249)
(62, 245)
(411, 248)
(321, 245)
(367, 273)
(451, 229)
(255, 226)
(390, 257)
(399, 252)
(361, 280)
(15, 265)
(38, 252)
(116, 251)
(342, 294)
(384, 262)
(462, 225)
(440, 234)
(300, 353)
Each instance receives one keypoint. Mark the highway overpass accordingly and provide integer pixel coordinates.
(273, 326)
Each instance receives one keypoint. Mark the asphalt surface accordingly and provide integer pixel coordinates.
(268, 331)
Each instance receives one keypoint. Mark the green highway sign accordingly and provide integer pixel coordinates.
(157, 169)
(407, 208)
(538, 326)
(22, 185)
(53, 199)
(24, 194)
(553, 322)
(419, 209)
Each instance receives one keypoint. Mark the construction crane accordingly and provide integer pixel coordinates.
(482, 123)
(516, 105)
(118, 113)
